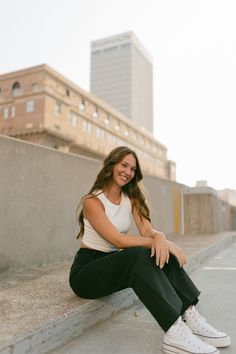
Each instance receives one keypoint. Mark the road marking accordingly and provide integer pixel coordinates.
(219, 268)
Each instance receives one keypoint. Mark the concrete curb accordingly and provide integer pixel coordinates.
(62, 330)
(195, 261)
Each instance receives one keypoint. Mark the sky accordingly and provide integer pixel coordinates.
(193, 48)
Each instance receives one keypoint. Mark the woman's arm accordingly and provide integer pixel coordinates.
(159, 243)
(94, 212)
(145, 229)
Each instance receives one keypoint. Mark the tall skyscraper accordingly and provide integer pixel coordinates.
(122, 75)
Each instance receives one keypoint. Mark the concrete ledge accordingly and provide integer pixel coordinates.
(40, 312)
(194, 261)
(63, 329)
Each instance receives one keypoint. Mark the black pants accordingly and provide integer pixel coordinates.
(165, 292)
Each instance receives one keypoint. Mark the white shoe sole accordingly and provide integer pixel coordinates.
(216, 342)
(169, 349)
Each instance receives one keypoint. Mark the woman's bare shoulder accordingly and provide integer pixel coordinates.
(90, 201)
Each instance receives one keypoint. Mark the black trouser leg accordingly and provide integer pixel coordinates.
(165, 292)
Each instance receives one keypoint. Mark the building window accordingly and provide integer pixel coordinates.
(67, 92)
(74, 119)
(107, 120)
(111, 139)
(82, 105)
(34, 87)
(117, 126)
(87, 127)
(0, 92)
(16, 89)
(95, 113)
(126, 133)
(57, 108)
(30, 106)
(5, 113)
(13, 111)
(110, 49)
(100, 133)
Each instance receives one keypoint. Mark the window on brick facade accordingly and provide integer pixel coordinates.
(5, 113)
(117, 126)
(95, 113)
(74, 119)
(100, 133)
(126, 132)
(16, 88)
(57, 107)
(111, 139)
(30, 106)
(13, 111)
(87, 127)
(82, 104)
(107, 120)
(34, 87)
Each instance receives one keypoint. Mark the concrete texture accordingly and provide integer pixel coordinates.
(205, 213)
(40, 189)
(40, 312)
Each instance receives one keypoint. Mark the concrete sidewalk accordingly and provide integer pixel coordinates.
(39, 311)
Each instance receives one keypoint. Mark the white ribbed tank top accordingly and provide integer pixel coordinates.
(119, 215)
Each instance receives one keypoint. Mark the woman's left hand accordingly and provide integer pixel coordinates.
(178, 253)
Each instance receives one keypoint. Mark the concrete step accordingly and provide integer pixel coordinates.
(39, 312)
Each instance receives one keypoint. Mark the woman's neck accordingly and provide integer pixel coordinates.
(113, 193)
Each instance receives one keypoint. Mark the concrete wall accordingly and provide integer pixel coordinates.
(165, 200)
(204, 213)
(39, 191)
(233, 218)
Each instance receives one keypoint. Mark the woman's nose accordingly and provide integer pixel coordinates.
(128, 171)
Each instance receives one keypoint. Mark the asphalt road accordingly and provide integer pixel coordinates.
(134, 331)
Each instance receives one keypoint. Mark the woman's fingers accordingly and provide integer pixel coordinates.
(181, 258)
(152, 251)
(161, 250)
(162, 257)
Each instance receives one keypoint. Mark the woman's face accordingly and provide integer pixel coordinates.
(124, 170)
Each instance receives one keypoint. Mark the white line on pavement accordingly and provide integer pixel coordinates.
(219, 268)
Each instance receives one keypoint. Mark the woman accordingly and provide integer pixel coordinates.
(110, 260)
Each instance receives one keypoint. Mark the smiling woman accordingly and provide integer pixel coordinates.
(110, 260)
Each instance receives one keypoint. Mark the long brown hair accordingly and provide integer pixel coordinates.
(131, 189)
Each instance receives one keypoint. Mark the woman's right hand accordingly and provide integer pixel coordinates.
(160, 248)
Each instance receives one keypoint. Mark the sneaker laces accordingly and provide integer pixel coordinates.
(198, 323)
(183, 331)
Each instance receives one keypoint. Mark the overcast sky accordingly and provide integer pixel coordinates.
(193, 46)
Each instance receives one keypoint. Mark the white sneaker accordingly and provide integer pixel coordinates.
(180, 340)
(204, 330)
